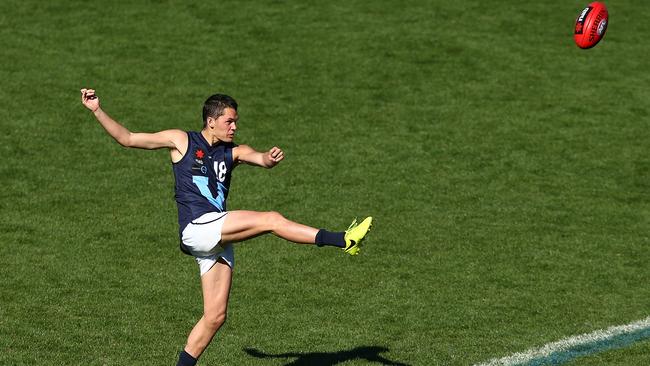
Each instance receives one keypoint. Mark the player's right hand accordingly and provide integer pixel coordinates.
(89, 99)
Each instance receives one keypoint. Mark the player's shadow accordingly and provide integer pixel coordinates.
(368, 353)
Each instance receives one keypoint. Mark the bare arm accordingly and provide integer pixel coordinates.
(175, 140)
(248, 155)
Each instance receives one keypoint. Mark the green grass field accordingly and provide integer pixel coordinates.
(507, 170)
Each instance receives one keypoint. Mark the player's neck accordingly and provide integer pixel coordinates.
(211, 139)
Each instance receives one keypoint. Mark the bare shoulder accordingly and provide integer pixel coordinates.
(179, 140)
(176, 135)
(241, 150)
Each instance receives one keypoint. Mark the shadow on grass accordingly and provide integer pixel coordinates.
(368, 353)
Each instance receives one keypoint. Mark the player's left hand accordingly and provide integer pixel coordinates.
(275, 155)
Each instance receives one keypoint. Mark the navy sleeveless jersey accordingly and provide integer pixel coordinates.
(202, 178)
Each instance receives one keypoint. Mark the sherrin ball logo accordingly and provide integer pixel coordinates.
(601, 27)
(591, 25)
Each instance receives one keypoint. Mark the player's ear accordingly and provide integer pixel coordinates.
(210, 122)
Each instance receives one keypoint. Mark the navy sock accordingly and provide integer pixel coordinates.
(335, 239)
(185, 359)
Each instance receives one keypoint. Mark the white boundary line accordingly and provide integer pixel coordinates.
(569, 343)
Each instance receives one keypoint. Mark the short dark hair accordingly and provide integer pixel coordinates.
(215, 105)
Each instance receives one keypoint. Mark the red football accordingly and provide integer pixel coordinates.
(591, 25)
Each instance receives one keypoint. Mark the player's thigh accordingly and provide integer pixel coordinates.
(215, 285)
(244, 221)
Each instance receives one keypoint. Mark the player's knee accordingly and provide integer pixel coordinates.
(215, 319)
(274, 219)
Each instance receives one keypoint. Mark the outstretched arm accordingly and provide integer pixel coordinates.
(248, 155)
(176, 140)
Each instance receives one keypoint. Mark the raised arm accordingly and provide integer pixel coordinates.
(248, 155)
(175, 140)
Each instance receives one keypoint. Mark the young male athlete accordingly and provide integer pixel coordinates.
(202, 163)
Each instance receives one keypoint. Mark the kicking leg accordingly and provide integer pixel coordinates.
(242, 225)
(216, 289)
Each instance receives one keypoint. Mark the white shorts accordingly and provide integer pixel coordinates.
(201, 238)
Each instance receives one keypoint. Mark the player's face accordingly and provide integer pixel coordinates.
(225, 126)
